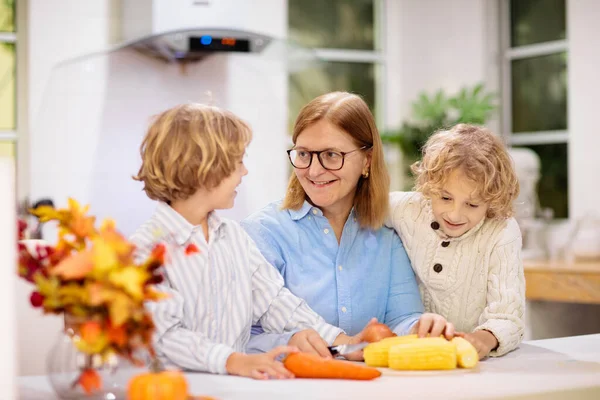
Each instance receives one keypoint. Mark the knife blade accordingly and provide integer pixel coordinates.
(344, 349)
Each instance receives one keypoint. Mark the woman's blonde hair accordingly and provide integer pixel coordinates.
(482, 157)
(351, 114)
(188, 147)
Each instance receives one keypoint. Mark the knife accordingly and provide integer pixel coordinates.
(344, 349)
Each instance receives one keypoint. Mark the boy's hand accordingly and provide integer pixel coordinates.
(434, 325)
(483, 341)
(309, 341)
(260, 366)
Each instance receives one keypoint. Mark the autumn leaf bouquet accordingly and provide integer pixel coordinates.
(91, 277)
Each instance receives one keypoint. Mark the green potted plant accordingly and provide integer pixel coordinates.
(431, 113)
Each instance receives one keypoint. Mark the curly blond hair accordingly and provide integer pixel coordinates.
(351, 114)
(483, 158)
(188, 147)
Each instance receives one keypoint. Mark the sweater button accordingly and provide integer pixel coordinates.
(445, 244)
(435, 225)
(438, 268)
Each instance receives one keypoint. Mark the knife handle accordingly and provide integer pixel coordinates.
(333, 350)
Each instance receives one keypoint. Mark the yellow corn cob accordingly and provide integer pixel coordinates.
(423, 354)
(376, 354)
(466, 354)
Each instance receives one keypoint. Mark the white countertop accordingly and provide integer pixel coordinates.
(544, 368)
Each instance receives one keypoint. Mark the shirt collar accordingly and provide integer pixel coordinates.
(304, 210)
(309, 208)
(180, 228)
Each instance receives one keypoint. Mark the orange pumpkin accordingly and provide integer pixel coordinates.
(166, 385)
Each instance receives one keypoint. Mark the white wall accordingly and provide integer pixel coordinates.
(583, 33)
(437, 44)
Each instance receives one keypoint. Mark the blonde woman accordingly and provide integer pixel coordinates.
(463, 244)
(327, 237)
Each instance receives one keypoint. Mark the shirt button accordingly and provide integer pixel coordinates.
(340, 267)
(326, 231)
(438, 268)
(344, 309)
(445, 244)
(315, 211)
(435, 225)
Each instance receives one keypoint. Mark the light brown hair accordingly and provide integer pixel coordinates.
(188, 147)
(351, 114)
(481, 155)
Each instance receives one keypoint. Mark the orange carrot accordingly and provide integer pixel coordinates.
(304, 365)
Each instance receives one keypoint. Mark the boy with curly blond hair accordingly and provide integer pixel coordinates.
(463, 243)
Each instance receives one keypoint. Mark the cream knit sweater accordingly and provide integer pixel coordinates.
(475, 281)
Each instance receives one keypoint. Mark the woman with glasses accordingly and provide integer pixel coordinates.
(327, 237)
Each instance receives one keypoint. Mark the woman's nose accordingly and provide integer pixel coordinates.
(315, 166)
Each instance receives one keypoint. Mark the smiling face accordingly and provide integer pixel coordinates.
(332, 191)
(223, 195)
(457, 207)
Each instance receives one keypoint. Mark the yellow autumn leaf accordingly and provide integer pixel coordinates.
(120, 245)
(75, 266)
(120, 308)
(155, 295)
(73, 294)
(46, 286)
(104, 257)
(48, 213)
(131, 279)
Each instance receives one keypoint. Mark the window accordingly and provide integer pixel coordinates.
(7, 79)
(344, 35)
(535, 91)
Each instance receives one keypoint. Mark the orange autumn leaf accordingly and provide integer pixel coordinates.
(117, 335)
(158, 253)
(82, 226)
(90, 331)
(90, 380)
(75, 266)
(191, 249)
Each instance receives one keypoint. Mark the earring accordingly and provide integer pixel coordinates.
(366, 175)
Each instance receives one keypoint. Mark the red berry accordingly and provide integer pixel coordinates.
(36, 299)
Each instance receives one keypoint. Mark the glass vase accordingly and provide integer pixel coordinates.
(107, 377)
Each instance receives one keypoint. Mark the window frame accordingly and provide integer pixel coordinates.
(509, 54)
(10, 135)
(375, 57)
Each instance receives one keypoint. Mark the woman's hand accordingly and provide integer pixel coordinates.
(483, 341)
(260, 366)
(434, 325)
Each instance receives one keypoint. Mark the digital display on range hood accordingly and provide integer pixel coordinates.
(210, 43)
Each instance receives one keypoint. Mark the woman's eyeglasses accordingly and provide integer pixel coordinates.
(331, 160)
